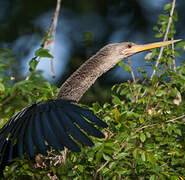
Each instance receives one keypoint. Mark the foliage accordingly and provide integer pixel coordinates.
(145, 138)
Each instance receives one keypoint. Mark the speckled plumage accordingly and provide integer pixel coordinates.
(79, 82)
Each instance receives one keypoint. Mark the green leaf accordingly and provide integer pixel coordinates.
(3, 65)
(108, 149)
(99, 155)
(163, 18)
(2, 122)
(127, 68)
(88, 37)
(117, 100)
(33, 64)
(180, 45)
(121, 155)
(151, 158)
(174, 178)
(2, 88)
(177, 54)
(133, 114)
(80, 168)
(158, 138)
(120, 63)
(168, 6)
(120, 170)
(143, 156)
(160, 93)
(112, 165)
(148, 134)
(141, 120)
(43, 53)
(153, 177)
(105, 171)
(136, 153)
(144, 73)
(106, 157)
(178, 131)
(96, 106)
(142, 137)
(155, 28)
(158, 35)
(175, 16)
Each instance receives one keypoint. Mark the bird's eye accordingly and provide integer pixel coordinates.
(129, 45)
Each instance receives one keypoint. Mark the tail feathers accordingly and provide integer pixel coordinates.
(82, 123)
(28, 136)
(37, 134)
(60, 123)
(87, 114)
(72, 129)
(49, 133)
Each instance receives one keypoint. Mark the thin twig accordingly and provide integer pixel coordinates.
(53, 23)
(53, 35)
(143, 127)
(131, 69)
(128, 139)
(48, 32)
(98, 170)
(173, 54)
(133, 77)
(64, 154)
(148, 102)
(45, 43)
(165, 37)
(174, 119)
(102, 166)
(8, 99)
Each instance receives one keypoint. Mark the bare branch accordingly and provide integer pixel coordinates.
(173, 54)
(143, 127)
(56, 14)
(165, 37)
(102, 166)
(53, 23)
(8, 99)
(133, 77)
(174, 119)
(131, 69)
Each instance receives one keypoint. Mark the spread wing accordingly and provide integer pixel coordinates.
(57, 122)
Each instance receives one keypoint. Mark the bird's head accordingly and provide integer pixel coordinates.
(127, 49)
(118, 51)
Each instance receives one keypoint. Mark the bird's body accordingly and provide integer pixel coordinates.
(59, 122)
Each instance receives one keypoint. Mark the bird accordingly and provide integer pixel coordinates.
(61, 122)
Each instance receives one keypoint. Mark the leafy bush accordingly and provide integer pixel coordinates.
(145, 138)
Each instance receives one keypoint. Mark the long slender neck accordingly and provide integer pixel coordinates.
(80, 81)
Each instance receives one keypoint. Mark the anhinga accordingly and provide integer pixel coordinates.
(59, 122)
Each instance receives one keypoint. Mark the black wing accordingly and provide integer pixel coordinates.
(52, 121)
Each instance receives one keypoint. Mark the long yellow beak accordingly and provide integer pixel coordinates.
(135, 48)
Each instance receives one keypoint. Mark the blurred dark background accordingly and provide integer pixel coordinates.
(84, 26)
